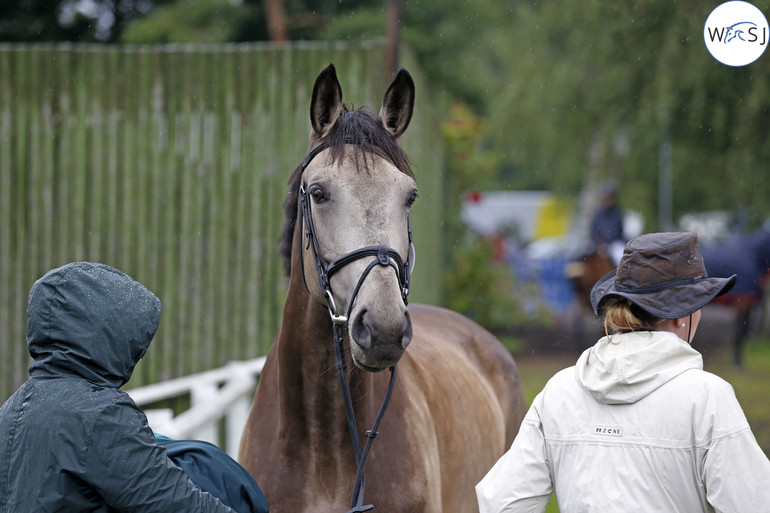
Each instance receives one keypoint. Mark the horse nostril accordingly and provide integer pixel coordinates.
(365, 334)
(360, 331)
(407, 338)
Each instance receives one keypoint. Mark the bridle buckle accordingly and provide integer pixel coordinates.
(341, 320)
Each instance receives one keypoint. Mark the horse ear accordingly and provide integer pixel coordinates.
(398, 104)
(326, 103)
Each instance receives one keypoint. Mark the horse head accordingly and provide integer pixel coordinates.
(352, 195)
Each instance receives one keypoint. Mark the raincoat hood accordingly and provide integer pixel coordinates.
(625, 368)
(89, 320)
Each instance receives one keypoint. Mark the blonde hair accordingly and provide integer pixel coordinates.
(621, 315)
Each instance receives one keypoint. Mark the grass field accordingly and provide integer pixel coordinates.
(752, 384)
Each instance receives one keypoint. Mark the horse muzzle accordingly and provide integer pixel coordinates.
(377, 341)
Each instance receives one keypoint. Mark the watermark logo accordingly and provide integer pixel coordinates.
(736, 33)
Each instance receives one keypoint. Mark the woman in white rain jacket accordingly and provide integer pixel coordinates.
(637, 425)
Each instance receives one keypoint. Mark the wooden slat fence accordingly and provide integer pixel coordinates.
(170, 163)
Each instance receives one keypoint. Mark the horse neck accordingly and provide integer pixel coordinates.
(308, 379)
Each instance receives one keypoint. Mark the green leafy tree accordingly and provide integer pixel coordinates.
(199, 21)
(485, 289)
(596, 90)
(478, 282)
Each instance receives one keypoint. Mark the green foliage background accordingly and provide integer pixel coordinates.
(609, 83)
(556, 96)
(571, 93)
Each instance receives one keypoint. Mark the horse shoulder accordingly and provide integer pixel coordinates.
(444, 331)
(467, 387)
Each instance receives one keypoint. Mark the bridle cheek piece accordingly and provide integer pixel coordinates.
(385, 256)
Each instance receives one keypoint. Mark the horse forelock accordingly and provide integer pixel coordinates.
(370, 136)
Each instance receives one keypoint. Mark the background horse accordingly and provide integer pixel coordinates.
(584, 272)
(457, 403)
(749, 258)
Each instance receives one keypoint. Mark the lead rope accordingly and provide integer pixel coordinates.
(357, 501)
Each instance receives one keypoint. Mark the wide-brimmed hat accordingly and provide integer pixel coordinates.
(664, 274)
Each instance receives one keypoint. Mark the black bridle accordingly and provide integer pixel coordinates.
(385, 256)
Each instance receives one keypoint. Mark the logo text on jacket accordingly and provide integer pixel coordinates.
(608, 430)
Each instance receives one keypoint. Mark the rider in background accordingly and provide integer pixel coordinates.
(607, 226)
(71, 439)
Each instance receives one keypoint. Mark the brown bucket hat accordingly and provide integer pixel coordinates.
(664, 274)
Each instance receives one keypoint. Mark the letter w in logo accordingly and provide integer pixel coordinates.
(716, 33)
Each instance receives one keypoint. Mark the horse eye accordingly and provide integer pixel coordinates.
(317, 193)
(411, 199)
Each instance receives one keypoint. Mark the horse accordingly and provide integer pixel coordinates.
(749, 257)
(347, 247)
(585, 271)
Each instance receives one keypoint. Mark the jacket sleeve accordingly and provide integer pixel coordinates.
(520, 481)
(131, 472)
(736, 472)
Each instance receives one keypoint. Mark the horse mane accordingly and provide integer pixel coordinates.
(362, 128)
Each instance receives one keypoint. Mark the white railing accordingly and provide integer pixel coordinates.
(224, 392)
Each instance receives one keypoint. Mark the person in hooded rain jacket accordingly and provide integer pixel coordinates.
(70, 440)
(637, 425)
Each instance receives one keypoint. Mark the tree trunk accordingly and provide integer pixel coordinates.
(276, 20)
(393, 10)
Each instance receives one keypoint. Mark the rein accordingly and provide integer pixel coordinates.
(385, 256)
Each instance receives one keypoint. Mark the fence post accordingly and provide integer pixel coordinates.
(238, 413)
(202, 395)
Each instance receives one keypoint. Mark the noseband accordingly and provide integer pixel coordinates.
(385, 256)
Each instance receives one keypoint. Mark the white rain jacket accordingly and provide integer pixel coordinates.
(635, 426)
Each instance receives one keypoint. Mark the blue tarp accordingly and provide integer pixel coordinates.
(748, 257)
(554, 290)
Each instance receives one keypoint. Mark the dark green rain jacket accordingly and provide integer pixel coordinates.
(70, 440)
